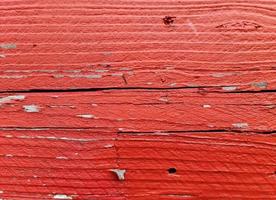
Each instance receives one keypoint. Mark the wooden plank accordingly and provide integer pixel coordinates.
(50, 45)
(136, 111)
(77, 163)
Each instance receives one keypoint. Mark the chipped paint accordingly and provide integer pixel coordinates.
(93, 76)
(31, 108)
(120, 173)
(163, 99)
(220, 75)
(229, 88)
(262, 85)
(13, 77)
(109, 146)
(172, 84)
(62, 158)
(62, 196)
(10, 98)
(86, 116)
(206, 106)
(240, 125)
(7, 46)
(117, 74)
(56, 138)
(58, 76)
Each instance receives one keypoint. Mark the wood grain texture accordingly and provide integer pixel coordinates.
(92, 44)
(136, 99)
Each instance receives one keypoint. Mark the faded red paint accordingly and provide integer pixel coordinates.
(177, 96)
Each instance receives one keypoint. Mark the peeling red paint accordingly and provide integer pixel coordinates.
(162, 99)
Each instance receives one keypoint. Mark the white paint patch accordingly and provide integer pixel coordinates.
(56, 138)
(9, 155)
(229, 88)
(120, 173)
(271, 106)
(61, 158)
(262, 85)
(163, 99)
(8, 46)
(10, 98)
(108, 146)
(206, 106)
(62, 196)
(172, 84)
(240, 125)
(58, 76)
(86, 116)
(2, 56)
(220, 75)
(31, 108)
(86, 76)
(13, 77)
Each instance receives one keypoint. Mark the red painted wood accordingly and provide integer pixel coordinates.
(213, 165)
(115, 100)
(92, 44)
(139, 110)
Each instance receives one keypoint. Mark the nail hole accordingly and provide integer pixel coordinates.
(34, 45)
(167, 20)
(172, 170)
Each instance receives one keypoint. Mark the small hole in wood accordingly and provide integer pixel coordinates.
(34, 45)
(168, 20)
(172, 170)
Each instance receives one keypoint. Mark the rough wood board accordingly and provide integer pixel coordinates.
(136, 99)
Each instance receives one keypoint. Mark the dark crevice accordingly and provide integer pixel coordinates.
(99, 89)
(252, 92)
(181, 131)
(142, 132)
(201, 89)
(201, 131)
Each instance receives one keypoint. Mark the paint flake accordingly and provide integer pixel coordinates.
(62, 196)
(31, 108)
(120, 173)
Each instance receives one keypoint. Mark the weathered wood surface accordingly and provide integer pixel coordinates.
(175, 98)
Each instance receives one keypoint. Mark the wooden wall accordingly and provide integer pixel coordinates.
(137, 99)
